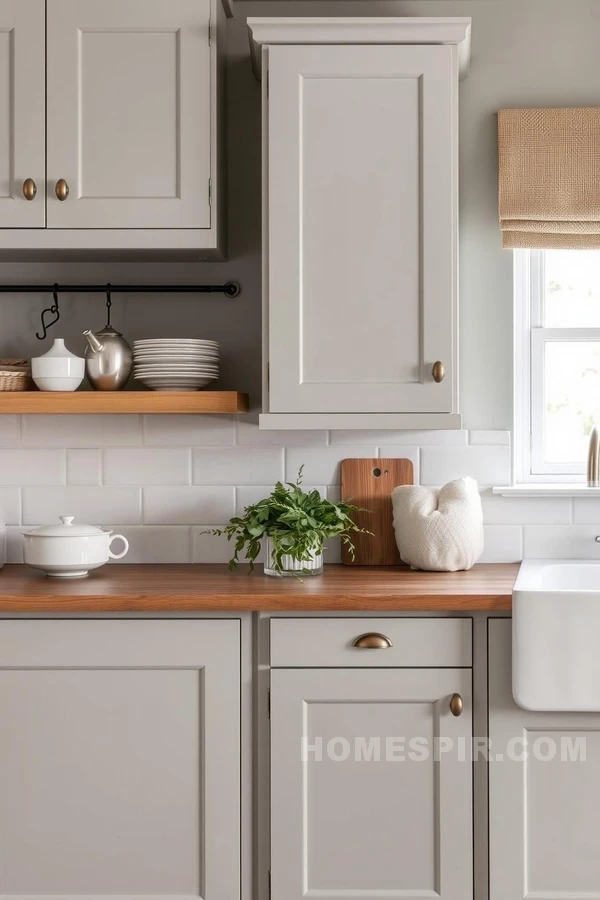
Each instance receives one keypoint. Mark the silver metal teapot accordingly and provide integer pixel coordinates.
(108, 359)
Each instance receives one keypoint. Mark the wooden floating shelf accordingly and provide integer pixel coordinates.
(99, 402)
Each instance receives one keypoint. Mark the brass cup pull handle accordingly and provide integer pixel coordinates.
(456, 704)
(372, 640)
(29, 189)
(438, 371)
(62, 189)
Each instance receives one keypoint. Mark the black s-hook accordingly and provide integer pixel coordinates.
(54, 311)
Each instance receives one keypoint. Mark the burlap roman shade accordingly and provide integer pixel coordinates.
(549, 177)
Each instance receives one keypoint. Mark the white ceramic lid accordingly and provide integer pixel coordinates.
(67, 529)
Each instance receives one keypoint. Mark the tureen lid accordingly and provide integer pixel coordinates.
(67, 529)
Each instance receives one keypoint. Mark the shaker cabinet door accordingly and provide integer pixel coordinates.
(362, 186)
(129, 114)
(22, 114)
(353, 814)
(120, 759)
(543, 792)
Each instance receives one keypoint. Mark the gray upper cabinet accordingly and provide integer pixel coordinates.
(126, 92)
(543, 809)
(22, 114)
(353, 815)
(360, 209)
(120, 759)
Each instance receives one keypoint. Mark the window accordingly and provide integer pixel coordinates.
(557, 362)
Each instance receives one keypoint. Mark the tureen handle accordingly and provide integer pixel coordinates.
(123, 551)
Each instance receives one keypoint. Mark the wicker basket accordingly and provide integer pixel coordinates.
(11, 364)
(15, 381)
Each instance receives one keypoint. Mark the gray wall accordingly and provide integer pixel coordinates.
(525, 52)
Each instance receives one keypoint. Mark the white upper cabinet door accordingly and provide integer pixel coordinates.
(361, 808)
(362, 227)
(120, 759)
(129, 114)
(543, 793)
(22, 114)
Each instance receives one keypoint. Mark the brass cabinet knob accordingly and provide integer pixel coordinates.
(62, 189)
(438, 371)
(372, 640)
(456, 704)
(29, 189)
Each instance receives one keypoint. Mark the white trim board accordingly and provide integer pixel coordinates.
(361, 30)
(362, 421)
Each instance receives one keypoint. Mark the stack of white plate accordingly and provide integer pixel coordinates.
(175, 364)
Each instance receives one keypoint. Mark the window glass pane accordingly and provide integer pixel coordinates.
(572, 398)
(572, 288)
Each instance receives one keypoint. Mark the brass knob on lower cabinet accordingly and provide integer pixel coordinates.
(456, 704)
(372, 640)
(438, 371)
(62, 189)
(29, 189)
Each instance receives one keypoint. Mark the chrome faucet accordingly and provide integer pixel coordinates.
(593, 462)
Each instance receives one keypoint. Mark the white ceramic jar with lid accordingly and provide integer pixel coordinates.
(68, 550)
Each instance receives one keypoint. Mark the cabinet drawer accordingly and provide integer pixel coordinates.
(413, 642)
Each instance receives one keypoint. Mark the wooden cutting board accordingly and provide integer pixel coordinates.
(369, 483)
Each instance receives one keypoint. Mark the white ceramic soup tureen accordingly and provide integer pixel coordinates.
(68, 550)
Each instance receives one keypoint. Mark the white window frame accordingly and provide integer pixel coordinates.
(529, 339)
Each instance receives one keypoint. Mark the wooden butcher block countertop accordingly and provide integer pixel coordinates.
(178, 588)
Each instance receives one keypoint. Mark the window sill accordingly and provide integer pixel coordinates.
(576, 489)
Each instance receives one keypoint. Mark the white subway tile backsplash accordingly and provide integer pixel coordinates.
(83, 467)
(399, 438)
(490, 437)
(24, 466)
(90, 505)
(188, 431)
(321, 466)
(187, 505)
(503, 544)
(81, 431)
(166, 475)
(561, 542)
(489, 465)
(586, 511)
(210, 548)
(334, 493)
(155, 544)
(333, 551)
(248, 434)
(525, 510)
(14, 544)
(10, 505)
(238, 466)
(10, 431)
(147, 466)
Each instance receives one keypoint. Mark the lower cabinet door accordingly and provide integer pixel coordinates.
(119, 759)
(544, 793)
(371, 784)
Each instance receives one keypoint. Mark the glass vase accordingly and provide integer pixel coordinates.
(291, 566)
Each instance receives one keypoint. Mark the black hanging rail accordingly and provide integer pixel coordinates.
(231, 289)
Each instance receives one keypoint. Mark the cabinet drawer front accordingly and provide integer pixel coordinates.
(415, 642)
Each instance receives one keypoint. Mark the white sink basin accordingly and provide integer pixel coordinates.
(556, 635)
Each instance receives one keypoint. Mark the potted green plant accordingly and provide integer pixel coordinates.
(294, 525)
